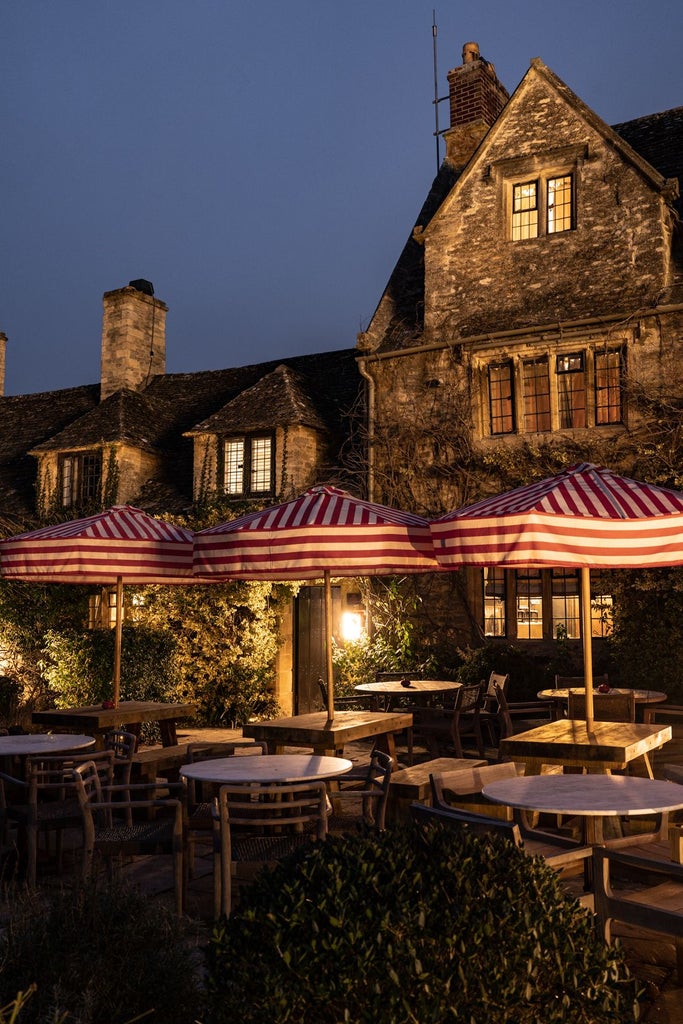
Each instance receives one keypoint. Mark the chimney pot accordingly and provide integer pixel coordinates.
(470, 52)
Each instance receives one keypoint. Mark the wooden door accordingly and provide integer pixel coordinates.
(309, 645)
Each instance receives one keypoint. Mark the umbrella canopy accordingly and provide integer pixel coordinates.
(324, 532)
(585, 517)
(117, 546)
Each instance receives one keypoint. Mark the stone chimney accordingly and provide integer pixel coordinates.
(133, 338)
(476, 99)
(3, 346)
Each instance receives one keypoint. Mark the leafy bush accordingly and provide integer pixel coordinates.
(414, 926)
(101, 954)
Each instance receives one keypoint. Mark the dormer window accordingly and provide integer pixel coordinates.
(80, 479)
(248, 464)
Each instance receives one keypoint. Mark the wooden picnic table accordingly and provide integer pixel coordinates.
(97, 720)
(569, 742)
(327, 736)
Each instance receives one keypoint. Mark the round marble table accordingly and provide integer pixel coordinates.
(641, 696)
(43, 743)
(591, 797)
(267, 770)
(389, 690)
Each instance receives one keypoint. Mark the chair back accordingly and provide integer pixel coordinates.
(51, 776)
(496, 679)
(376, 789)
(607, 707)
(569, 682)
(274, 808)
(462, 789)
(457, 820)
(468, 698)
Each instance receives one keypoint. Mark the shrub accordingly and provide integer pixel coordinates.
(100, 954)
(414, 926)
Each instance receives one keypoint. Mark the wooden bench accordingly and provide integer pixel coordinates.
(150, 763)
(412, 784)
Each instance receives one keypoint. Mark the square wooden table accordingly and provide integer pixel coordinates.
(132, 713)
(327, 736)
(569, 742)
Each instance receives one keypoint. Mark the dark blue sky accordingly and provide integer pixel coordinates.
(261, 163)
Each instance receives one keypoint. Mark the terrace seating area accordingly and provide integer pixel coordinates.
(448, 785)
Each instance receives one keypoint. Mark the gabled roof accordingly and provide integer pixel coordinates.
(25, 421)
(320, 390)
(280, 398)
(124, 416)
(654, 144)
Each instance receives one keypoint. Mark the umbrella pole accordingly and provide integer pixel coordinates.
(586, 629)
(117, 639)
(328, 645)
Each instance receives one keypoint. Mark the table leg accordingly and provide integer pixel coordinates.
(169, 735)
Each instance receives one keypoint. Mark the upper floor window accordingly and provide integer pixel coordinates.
(536, 394)
(80, 479)
(501, 398)
(544, 206)
(573, 390)
(248, 465)
(608, 387)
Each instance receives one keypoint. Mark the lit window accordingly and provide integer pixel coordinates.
(571, 390)
(608, 373)
(565, 600)
(248, 465)
(501, 400)
(495, 621)
(80, 479)
(559, 204)
(525, 210)
(536, 395)
(529, 604)
(601, 615)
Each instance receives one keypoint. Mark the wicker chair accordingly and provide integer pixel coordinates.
(46, 802)
(199, 798)
(108, 834)
(607, 707)
(257, 825)
(368, 784)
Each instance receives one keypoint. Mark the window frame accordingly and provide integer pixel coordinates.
(620, 355)
(249, 441)
(80, 478)
(517, 229)
(507, 403)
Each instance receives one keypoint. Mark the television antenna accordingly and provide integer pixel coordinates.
(437, 99)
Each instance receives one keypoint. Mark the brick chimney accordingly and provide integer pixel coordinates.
(476, 99)
(133, 338)
(3, 346)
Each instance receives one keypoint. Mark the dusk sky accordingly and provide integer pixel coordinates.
(261, 163)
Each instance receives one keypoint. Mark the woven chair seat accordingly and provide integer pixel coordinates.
(266, 848)
(147, 834)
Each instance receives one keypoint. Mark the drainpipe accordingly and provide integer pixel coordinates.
(371, 427)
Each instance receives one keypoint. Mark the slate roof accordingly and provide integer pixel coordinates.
(659, 139)
(25, 421)
(319, 390)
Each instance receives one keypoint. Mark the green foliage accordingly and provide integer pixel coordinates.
(414, 926)
(647, 636)
(225, 638)
(396, 643)
(79, 665)
(528, 673)
(100, 954)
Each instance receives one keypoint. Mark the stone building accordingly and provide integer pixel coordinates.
(162, 442)
(533, 319)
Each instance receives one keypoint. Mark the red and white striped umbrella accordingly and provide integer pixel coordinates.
(324, 532)
(585, 517)
(120, 545)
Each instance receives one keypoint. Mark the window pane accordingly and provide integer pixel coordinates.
(261, 464)
(601, 615)
(525, 210)
(69, 472)
(559, 200)
(529, 605)
(536, 395)
(494, 602)
(234, 466)
(566, 609)
(571, 390)
(608, 387)
(90, 478)
(501, 398)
